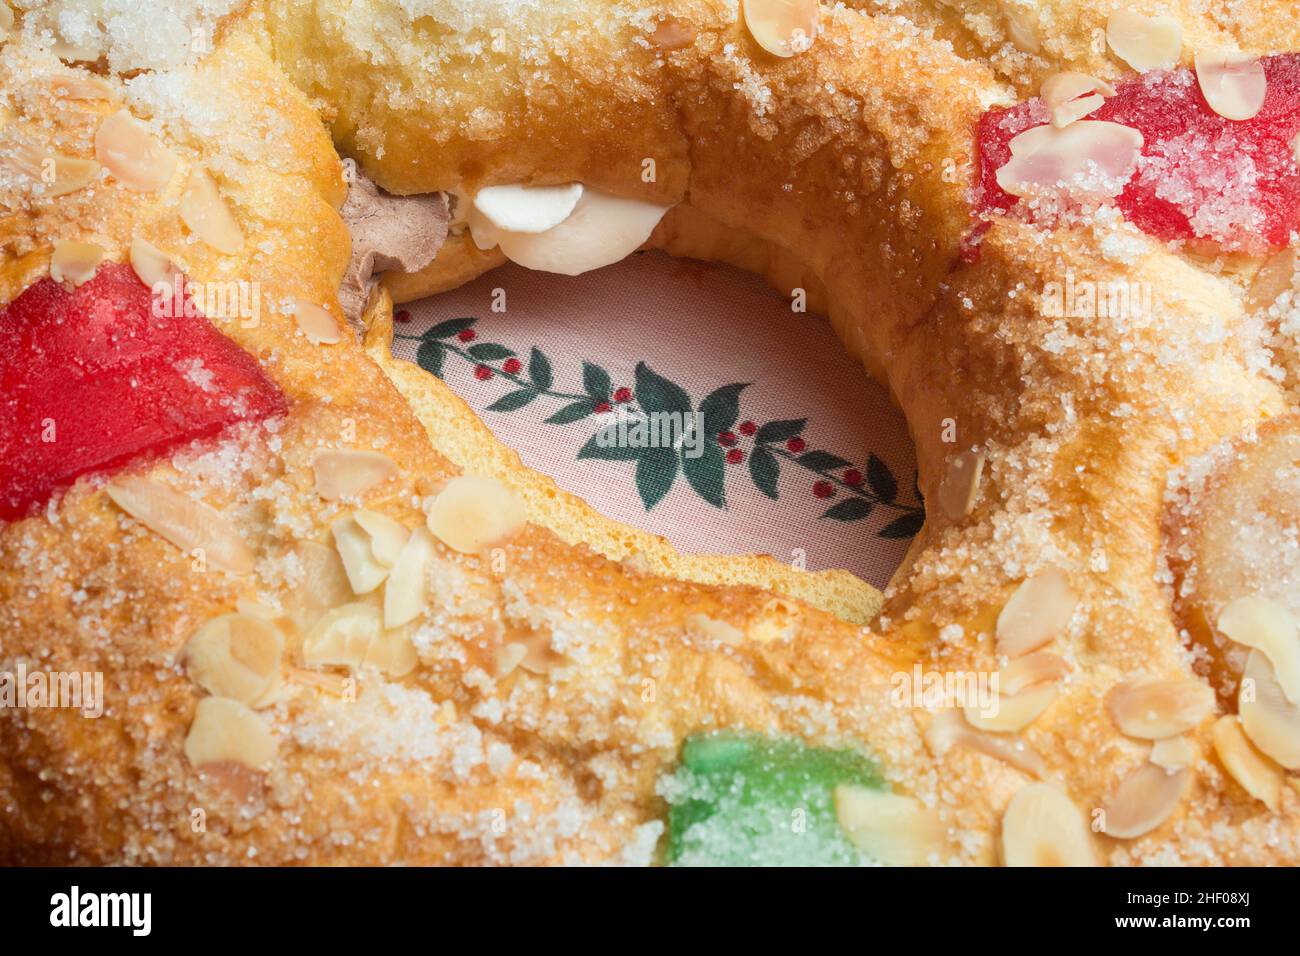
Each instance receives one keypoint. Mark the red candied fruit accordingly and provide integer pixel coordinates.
(1201, 176)
(91, 380)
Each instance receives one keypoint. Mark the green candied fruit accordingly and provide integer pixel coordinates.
(745, 799)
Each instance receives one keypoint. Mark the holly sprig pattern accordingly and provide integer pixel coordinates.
(771, 445)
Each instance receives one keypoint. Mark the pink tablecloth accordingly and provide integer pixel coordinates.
(805, 458)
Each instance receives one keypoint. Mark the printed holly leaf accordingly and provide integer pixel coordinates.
(904, 526)
(780, 430)
(658, 394)
(429, 356)
(881, 479)
(656, 470)
(605, 446)
(573, 412)
(707, 474)
(513, 401)
(445, 330)
(850, 509)
(596, 382)
(822, 461)
(489, 351)
(764, 470)
(721, 408)
(539, 369)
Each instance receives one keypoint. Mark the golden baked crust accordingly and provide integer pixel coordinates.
(835, 164)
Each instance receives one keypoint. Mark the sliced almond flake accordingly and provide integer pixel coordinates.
(58, 175)
(1045, 158)
(1145, 43)
(1269, 627)
(316, 323)
(324, 583)
(405, 593)
(783, 27)
(1258, 775)
(349, 472)
(1173, 753)
(1071, 96)
(1031, 669)
(949, 729)
(387, 535)
(132, 154)
(353, 544)
(1233, 83)
(1146, 798)
(891, 829)
(206, 215)
(236, 656)
(1042, 827)
(1022, 28)
(342, 637)
(334, 684)
(1150, 709)
(1039, 609)
(473, 513)
(188, 524)
(392, 654)
(1014, 713)
(1270, 721)
(960, 484)
(75, 262)
(6, 21)
(227, 730)
(706, 628)
(509, 657)
(151, 264)
(82, 88)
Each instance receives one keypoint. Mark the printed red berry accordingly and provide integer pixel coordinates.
(726, 439)
(735, 456)
(468, 335)
(511, 366)
(853, 477)
(748, 428)
(602, 408)
(823, 489)
(796, 445)
(402, 316)
(623, 395)
(482, 373)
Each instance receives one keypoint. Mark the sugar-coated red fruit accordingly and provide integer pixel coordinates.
(92, 379)
(1235, 184)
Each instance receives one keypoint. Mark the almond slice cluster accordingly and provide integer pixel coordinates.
(1269, 699)
(568, 229)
